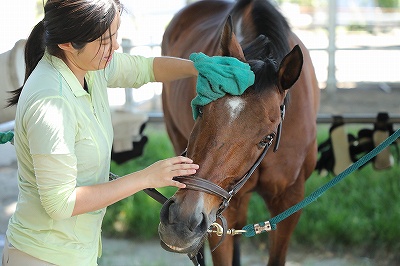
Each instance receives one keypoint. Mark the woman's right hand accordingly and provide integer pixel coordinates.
(161, 173)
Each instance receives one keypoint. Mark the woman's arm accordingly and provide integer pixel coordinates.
(172, 68)
(159, 174)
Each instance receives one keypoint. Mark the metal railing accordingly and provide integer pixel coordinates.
(158, 117)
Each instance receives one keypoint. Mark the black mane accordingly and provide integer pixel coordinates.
(271, 23)
(267, 50)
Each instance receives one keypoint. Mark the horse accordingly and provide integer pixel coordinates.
(231, 134)
(12, 73)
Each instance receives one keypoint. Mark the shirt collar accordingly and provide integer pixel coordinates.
(67, 74)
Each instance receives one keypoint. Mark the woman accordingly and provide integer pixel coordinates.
(63, 133)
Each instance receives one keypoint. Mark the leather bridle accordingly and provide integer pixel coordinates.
(199, 184)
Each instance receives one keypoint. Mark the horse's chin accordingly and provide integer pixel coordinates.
(176, 249)
(173, 243)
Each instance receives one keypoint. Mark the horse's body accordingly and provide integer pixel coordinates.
(12, 73)
(223, 142)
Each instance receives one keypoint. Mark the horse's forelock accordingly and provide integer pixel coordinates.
(260, 57)
(259, 48)
(265, 73)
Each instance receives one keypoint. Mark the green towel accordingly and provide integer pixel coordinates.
(219, 75)
(6, 137)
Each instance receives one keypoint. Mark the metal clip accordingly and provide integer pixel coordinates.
(259, 229)
(235, 232)
(220, 231)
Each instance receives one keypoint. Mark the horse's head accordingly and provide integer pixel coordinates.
(228, 137)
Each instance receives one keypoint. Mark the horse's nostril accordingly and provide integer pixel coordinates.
(171, 214)
(165, 213)
(197, 221)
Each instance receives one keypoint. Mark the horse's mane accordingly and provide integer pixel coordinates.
(266, 20)
(267, 50)
(272, 24)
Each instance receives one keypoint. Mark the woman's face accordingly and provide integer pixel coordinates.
(97, 54)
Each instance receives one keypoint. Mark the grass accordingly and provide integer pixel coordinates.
(362, 211)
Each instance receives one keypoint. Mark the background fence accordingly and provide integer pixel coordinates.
(354, 44)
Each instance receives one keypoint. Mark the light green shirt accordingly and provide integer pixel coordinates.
(63, 139)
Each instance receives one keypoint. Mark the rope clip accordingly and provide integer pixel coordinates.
(258, 228)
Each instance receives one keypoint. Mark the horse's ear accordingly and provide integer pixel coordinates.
(229, 43)
(290, 68)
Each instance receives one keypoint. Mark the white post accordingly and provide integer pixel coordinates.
(331, 80)
(126, 48)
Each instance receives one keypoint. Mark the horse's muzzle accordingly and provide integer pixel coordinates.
(183, 225)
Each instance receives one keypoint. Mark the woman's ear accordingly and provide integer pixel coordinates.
(67, 47)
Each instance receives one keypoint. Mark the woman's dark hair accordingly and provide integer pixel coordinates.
(76, 21)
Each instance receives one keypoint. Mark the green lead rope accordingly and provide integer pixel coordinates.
(6, 137)
(250, 229)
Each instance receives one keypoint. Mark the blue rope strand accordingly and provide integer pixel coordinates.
(317, 193)
(6, 137)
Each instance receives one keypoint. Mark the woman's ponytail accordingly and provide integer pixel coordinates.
(34, 51)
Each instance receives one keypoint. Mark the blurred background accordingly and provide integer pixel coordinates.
(353, 44)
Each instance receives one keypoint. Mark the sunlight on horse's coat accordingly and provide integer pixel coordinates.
(235, 106)
(238, 30)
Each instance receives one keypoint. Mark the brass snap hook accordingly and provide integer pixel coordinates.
(218, 229)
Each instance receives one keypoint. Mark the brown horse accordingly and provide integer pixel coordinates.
(230, 133)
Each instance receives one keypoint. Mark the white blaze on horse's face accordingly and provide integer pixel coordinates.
(235, 105)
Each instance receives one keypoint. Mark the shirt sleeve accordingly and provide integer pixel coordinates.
(129, 71)
(50, 127)
(56, 181)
